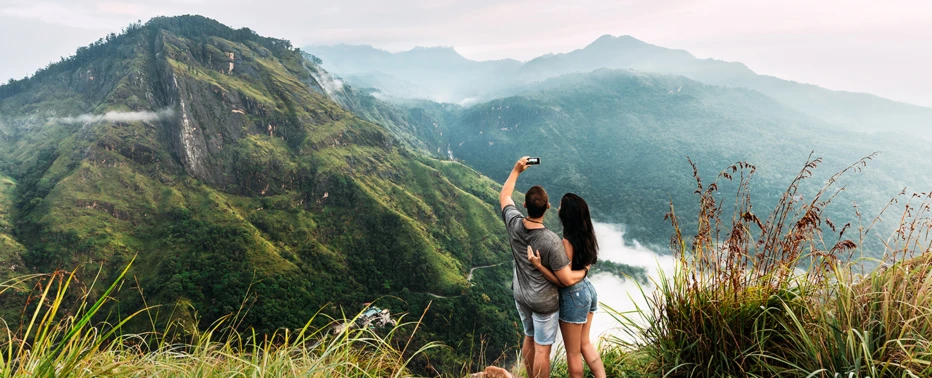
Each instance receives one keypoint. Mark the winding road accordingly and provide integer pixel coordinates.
(468, 279)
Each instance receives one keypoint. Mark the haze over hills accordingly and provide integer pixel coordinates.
(620, 139)
(620, 136)
(437, 73)
(851, 111)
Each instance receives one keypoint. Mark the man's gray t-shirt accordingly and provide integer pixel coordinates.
(530, 286)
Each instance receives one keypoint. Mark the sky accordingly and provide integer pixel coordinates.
(855, 45)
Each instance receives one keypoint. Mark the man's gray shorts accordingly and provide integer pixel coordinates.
(542, 327)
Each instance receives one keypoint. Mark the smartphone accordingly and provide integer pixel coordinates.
(533, 160)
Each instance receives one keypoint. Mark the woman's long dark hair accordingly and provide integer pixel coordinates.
(577, 229)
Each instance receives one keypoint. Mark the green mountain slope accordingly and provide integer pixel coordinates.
(621, 140)
(10, 249)
(407, 121)
(216, 156)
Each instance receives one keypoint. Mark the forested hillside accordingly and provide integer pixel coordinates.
(216, 157)
(621, 140)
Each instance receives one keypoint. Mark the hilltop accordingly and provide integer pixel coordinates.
(217, 157)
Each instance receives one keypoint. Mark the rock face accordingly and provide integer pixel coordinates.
(192, 149)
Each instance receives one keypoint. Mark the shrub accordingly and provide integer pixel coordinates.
(780, 297)
(54, 340)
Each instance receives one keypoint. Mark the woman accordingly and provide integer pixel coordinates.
(577, 302)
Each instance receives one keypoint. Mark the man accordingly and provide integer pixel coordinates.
(537, 299)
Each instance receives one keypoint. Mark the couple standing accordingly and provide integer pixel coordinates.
(550, 284)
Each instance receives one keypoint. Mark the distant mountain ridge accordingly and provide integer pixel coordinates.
(853, 111)
(436, 73)
(621, 139)
(367, 59)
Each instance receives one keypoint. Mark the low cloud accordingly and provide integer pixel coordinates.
(469, 101)
(327, 82)
(623, 295)
(144, 116)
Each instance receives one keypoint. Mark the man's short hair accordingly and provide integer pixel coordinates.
(536, 201)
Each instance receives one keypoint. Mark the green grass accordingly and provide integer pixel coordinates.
(744, 310)
(723, 312)
(57, 340)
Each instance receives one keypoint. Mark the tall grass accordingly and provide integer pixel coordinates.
(55, 341)
(782, 296)
(750, 297)
(879, 325)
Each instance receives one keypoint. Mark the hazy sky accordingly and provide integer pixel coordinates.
(881, 47)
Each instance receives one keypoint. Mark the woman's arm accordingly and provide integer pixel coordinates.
(568, 247)
(535, 259)
(566, 275)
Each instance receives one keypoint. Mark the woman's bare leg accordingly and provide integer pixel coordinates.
(588, 350)
(571, 338)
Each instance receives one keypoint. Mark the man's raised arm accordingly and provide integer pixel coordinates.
(504, 198)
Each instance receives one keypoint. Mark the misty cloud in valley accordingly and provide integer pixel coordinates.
(623, 296)
(143, 116)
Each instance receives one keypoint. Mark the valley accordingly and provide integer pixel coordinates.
(623, 140)
(249, 179)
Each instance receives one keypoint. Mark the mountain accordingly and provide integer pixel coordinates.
(853, 111)
(219, 158)
(613, 52)
(435, 73)
(621, 140)
(441, 79)
(434, 62)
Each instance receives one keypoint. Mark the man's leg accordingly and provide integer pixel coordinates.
(527, 347)
(545, 334)
(541, 361)
(527, 353)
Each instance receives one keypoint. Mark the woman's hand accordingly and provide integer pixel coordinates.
(534, 258)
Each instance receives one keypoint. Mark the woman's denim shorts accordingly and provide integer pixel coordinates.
(577, 301)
